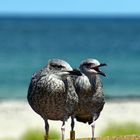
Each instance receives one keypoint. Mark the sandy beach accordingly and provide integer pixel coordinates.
(17, 116)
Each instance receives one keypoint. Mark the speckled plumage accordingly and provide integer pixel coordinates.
(51, 93)
(91, 98)
(90, 92)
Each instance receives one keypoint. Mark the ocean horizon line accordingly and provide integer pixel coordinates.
(107, 98)
(70, 16)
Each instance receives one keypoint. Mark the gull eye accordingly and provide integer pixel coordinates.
(57, 66)
(87, 64)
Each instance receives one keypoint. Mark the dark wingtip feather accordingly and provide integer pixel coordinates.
(88, 120)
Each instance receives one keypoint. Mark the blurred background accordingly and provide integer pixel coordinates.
(32, 32)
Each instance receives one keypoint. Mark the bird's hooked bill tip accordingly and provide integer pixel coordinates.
(75, 72)
(102, 64)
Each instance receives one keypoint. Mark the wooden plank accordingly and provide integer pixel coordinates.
(131, 137)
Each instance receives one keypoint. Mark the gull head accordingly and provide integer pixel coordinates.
(62, 68)
(91, 67)
(59, 65)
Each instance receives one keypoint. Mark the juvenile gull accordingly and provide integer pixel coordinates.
(90, 93)
(51, 93)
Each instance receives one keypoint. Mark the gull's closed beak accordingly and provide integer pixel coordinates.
(75, 72)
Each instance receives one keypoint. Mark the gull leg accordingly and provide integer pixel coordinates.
(63, 130)
(72, 132)
(95, 116)
(93, 129)
(46, 129)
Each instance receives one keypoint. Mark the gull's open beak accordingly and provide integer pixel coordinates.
(102, 64)
(75, 72)
(102, 73)
(99, 71)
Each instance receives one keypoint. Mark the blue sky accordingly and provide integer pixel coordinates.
(72, 7)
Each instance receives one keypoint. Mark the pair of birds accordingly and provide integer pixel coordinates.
(58, 92)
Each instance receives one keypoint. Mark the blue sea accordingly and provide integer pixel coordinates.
(26, 45)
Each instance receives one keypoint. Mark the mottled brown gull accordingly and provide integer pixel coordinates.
(51, 93)
(89, 89)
